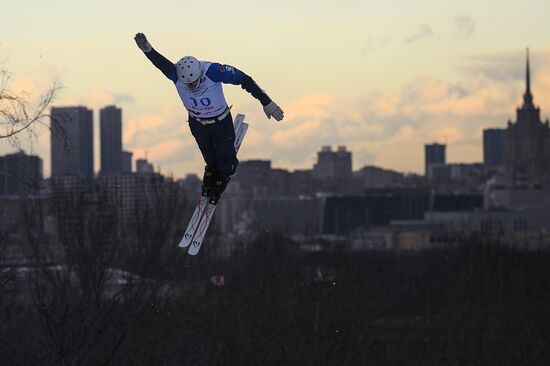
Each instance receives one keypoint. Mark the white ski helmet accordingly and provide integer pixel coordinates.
(188, 69)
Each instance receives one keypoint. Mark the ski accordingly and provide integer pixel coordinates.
(194, 222)
(240, 136)
(200, 221)
(238, 121)
(201, 230)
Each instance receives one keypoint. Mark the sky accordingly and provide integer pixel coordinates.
(382, 78)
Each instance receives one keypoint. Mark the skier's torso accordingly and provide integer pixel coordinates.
(207, 100)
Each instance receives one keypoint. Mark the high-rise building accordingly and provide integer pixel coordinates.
(20, 174)
(127, 161)
(144, 167)
(375, 177)
(433, 154)
(493, 147)
(253, 177)
(527, 153)
(334, 165)
(72, 147)
(136, 193)
(110, 123)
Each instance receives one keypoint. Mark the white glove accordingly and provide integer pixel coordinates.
(142, 42)
(274, 110)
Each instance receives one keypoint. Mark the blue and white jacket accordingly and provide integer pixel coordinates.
(208, 99)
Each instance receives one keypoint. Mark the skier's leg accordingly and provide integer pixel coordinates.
(226, 156)
(204, 138)
(208, 180)
(224, 147)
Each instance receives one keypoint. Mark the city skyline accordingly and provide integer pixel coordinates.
(433, 153)
(99, 136)
(412, 74)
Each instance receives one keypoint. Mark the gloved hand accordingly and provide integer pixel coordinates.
(274, 110)
(142, 42)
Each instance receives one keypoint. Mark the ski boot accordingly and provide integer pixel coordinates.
(207, 181)
(217, 189)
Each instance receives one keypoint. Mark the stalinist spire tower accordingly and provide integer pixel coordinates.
(527, 153)
(527, 96)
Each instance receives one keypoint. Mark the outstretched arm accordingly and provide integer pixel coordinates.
(160, 62)
(270, 108)
(230, 75)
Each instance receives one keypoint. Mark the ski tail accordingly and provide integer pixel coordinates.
(239, 135)
(194, 223)
(238, 121)
(196, 243)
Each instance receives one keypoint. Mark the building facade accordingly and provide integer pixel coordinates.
(110, 123)
(494, 148)
(20, 174)
(144, 167)
(127, 161)
(72, 147)
(334, 165)
(433, 154)
(527, 154)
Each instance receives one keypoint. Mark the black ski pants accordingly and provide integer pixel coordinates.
(217, 144)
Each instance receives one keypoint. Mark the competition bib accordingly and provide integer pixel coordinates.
(207, 100)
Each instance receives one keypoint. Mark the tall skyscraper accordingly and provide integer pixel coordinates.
(72, 147)
(527, 154)
(433, 154)
(110, 123)
(333, 164)
(20, 174)
(493, 147)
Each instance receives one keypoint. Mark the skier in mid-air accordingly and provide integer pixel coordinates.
(199, 85)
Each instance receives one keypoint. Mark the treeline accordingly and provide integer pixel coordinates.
(124, 294)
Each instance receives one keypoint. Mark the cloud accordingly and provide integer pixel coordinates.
(304, 131)
(422, 32)
(464, 27)
(96, 99)
(382, 129)
(123, 99)
(508, 67)
(372, 45)
(448, 134)
(166, 151)
(390, 130)
(24, 86)
(155, 128)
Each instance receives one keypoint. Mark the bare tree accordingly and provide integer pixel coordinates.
(17, 113)
(90, 277)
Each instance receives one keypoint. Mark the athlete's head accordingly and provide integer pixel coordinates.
(189, 71)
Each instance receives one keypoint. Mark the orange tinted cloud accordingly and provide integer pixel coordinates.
(164, 150)
(24, 86)
(390, 130)
(313, 105)
(387, 130)
(448, 134)
(298, 134)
